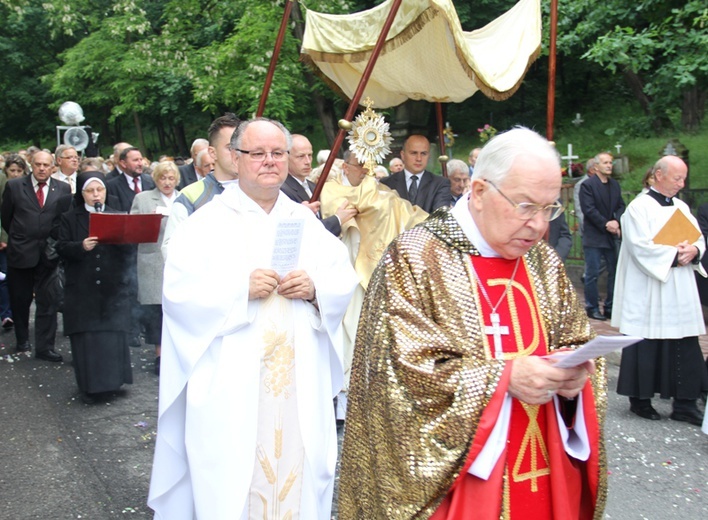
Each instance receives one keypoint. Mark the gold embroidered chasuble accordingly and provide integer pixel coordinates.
(383, 215)
(422, 377)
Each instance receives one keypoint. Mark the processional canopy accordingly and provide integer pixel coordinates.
(427, 55)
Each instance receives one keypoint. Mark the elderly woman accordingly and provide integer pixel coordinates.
(150, 261)
(96, 295)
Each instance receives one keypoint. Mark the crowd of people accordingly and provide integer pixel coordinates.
(109, 295)
(417, 310)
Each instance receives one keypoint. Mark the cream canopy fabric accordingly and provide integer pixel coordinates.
(427, 55)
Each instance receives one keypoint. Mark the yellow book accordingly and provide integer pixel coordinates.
(677, 229)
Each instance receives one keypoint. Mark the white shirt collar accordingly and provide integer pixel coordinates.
(409, 175)
(35, 182)
(62, 176)
(169, 200)
(131, 183)
(464, 218)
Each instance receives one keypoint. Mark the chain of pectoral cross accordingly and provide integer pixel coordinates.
(496, 329)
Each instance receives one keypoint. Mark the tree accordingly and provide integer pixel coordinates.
(660, 47)
(27, 55)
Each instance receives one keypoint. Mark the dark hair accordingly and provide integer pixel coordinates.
(649, 176)
(17, 159)
(228, 120)
(124, 154)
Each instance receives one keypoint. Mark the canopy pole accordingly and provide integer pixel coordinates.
(345, 123)
(551, 102)
(441, 137)
(274, 57)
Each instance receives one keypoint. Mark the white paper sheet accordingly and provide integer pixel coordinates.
(597, 347)
(286, 250)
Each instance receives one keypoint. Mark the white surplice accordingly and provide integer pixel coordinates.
(240, 380)
(652, 299)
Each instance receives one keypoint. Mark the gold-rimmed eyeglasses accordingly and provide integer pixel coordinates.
(528, 210)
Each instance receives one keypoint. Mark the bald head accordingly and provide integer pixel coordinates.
(42, 163)
(415, 153)
(300, 158)
(670, 175)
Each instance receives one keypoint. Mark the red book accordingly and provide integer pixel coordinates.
(119, 228)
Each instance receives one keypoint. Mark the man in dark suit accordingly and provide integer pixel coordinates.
(125, 186)
(117, 150)
(415, 183)
(602, 205)
(187, 172)
(30, 207)
(299, 189)
(122, 191)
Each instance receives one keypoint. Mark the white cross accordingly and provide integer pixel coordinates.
(497, 331)
(619, 147)
(570, 158)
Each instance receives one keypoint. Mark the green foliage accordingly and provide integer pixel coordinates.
(236, 67)
(27, 55)
(662, 43)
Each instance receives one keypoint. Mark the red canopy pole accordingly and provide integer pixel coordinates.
(274, 57)
(551, 109)
(343, 123)
(441, 137)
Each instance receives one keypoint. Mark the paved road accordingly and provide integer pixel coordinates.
(61, 459)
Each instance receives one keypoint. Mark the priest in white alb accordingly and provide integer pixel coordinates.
(254, 293)
(656, 298)
(454, 411)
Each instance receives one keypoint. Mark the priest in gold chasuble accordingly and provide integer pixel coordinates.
(454, 412)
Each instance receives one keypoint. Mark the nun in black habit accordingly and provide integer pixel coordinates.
(96, 295)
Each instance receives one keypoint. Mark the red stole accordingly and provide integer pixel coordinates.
(534, 478)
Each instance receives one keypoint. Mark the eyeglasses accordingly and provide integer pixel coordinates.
(70, 157)
(356, 166)
(100, 189)
(260, 155)
(528, 210)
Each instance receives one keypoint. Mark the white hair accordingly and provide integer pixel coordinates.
(322, 156)
(200, 157)
(198, 142)
(456, 165)
(501, 152)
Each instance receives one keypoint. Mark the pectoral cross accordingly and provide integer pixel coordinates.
(496, 330)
